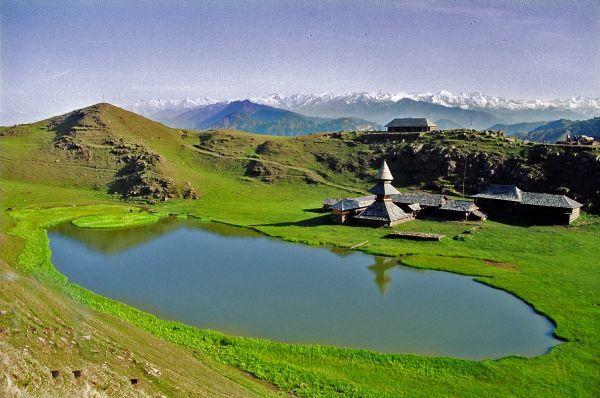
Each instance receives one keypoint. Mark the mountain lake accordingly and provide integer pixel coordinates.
(240, 282)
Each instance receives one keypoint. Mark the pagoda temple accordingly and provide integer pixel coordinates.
(383, 212)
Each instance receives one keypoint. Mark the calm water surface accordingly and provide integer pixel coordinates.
(239, 282)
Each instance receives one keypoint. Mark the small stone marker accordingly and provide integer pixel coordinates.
(55, 373)
(77, 374)
(415, 236)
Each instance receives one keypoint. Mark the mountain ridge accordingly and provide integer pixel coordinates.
(559, 129)
(263, 119)
(552, 131)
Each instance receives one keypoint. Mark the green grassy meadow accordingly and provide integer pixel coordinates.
(555, 269)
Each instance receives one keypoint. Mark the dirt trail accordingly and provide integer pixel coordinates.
(81, 166)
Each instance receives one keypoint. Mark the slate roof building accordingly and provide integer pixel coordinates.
(509, 200)
(410, 125)
(383, 212)
(421, 203)
(388, 207)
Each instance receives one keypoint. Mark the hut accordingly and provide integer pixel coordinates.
(329, 202)
(509, 200)
(410, 125)
(383, 212)
(345, 209)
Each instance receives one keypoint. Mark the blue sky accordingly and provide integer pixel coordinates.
(56, 56)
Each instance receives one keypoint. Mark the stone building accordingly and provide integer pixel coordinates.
(410, 125)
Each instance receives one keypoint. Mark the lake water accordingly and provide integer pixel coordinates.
(242, 283)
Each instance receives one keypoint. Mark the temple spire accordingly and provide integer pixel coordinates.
(384, 173)
(383, 188)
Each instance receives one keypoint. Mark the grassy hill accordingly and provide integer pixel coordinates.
(66, 168)
(99, 147)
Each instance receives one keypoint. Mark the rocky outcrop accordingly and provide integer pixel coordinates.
(267, 172)
(540, 168)
(139, 176)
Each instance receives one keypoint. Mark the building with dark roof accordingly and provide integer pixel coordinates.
(345, 209)
(509, 200)
(410, 125)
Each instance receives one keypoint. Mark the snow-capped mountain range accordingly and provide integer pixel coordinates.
(472, 110)
(584, 105)
(445, 98)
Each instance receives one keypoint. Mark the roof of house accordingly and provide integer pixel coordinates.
(383, 188)
(514, 194)
(549, 200)
(423, 199)
(353, 203)
(465, 206)
(383, 211)
(411, 122)
(501, 192)
(384, 173)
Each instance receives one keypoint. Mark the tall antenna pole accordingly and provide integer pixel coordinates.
(464, 176)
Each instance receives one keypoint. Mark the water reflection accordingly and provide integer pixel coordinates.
(381, 269)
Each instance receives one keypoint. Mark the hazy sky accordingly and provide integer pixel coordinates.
(56, 56)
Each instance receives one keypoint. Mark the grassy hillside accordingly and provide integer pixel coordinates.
(273, 185)
(100, 147)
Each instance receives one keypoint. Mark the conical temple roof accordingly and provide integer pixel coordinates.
(384, 173)
(383, 211)
(384, 188)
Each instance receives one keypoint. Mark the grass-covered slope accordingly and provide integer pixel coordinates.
(274, 185)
